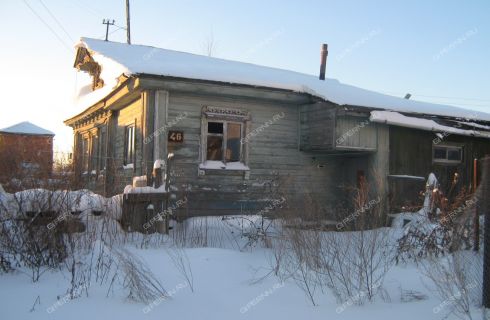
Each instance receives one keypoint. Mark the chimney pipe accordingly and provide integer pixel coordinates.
(323, 60)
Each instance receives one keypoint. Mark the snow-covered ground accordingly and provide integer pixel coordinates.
(231, 269)
(223, 289)
(225, 286)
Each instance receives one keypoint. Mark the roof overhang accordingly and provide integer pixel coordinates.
(414, 122)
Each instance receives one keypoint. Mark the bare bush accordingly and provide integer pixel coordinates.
(351, 264)
(457, 281)
(449, 231)
(137, 278)
(182, 263)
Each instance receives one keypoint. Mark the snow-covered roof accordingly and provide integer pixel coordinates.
(398, 119)
(120, 58)
(27, 128)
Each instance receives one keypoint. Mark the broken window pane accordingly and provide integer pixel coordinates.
(215, 148)
(215, 127)
(233, 142)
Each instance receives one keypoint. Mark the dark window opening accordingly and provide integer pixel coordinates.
(454, 154)
(448, 154)
(215, 127)
(439, 153)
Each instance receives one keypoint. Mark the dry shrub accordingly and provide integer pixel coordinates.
(351, 264)
(456, 279)
(137, 278)
(449, 231)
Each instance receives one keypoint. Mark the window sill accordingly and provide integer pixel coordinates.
(447, 162)
(220, 166)
(128, 166)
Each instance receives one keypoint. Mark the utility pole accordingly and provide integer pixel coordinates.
(107, 23)
(128, 24)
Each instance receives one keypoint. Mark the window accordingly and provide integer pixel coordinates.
(223, 130)
(94, 149)
(129, 145)
(85, 154)
(223, 141)
(102, 148)
(447, 154)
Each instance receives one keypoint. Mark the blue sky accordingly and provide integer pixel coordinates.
(437, 50)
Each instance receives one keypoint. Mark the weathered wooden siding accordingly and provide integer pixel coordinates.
(411, 154)
(355, 133)
(131, 114)
(317, 126)
(274, 155)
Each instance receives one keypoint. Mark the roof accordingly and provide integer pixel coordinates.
(26, 128)
(121, 58)
(449, 127)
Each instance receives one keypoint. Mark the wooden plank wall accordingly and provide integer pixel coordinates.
(132, 114)
(355, 132)
(273, 155)
(317, 126)
(411, 154)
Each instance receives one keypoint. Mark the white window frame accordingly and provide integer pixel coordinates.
(129, 160)
(447, 147)
(224, 145)
(225, 116)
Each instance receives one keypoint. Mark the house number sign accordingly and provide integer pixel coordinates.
(175, 136)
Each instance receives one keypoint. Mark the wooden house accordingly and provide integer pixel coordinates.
(240, 132)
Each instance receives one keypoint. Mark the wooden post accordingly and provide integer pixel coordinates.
(167, 189)
(148, 129)
(110, 160)
(485, 201)
(476, 223)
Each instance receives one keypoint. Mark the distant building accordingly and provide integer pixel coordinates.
(26, 150)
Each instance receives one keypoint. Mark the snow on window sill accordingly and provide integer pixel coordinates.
(128, 166)
(148, 189)
(219, 165)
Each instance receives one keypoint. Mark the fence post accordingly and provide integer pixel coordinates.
(168, 180)
(485, 201)
(476, 221)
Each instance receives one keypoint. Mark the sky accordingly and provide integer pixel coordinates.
(437, 50)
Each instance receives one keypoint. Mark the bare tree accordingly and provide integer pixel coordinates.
(209, 45)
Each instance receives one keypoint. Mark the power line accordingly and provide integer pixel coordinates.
(48, 26)
(56, 20)
(97, 14)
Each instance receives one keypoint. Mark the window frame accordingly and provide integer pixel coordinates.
(85, 153)
(101, 148)
(446, 160)
(129, 158)
(224, 135)
(94, 152)
(224, 115)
